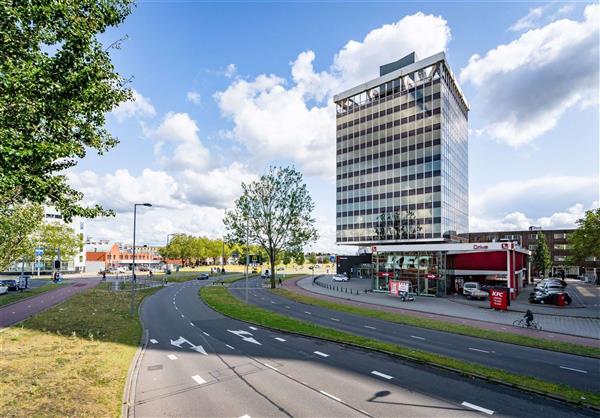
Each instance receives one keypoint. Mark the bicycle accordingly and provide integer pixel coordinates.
(523, 324)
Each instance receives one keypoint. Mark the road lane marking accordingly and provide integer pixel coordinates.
(575, 370)
(478, 408)
(321, 354)
(245, 416)
(230, 346)
(198, 379)
(367, 326)
(417, 337)
(153, 341)
(477, 349)
(253, 328)
(172, 357)
(191, 324)
(272, 302)
(270, 367)
(206, 333)
(280, 339)
(329, 395)
(385, 376)
(335, 319)
(308, 313)
(182, 316)
(287, 307)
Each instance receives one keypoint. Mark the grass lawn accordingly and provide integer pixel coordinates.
(445, 326)
(11, 297)
(222, 301)
(71, 360)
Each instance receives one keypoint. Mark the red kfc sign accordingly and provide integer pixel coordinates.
(499, 299)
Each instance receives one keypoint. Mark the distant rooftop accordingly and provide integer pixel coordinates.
(396, 65)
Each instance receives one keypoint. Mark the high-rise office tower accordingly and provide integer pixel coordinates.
(402, 155)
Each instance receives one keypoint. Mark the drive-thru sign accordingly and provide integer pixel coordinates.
(499, 299)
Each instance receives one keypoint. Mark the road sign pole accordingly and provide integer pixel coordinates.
(247, 260)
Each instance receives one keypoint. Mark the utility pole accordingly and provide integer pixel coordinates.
(247, 260)
(223, 256)
(133, 281)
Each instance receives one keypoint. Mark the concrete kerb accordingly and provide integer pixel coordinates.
(422, 362)
(128, 405)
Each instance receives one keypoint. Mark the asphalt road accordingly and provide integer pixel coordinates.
(576, 371)
(200, 363)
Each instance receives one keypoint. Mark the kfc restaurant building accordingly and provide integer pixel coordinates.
(440, 269)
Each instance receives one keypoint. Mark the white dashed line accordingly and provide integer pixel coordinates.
(230, 346)
(198, 379)
(335, 319)
(370, 327)
(307, 313)
(574, 370)
(206, 333)
(272, 302)
(191, 324)
(477, 349)
(330, 396)
(253, 328)
(478, 408)
(280, 339)
(182, 316)
(385, 376)
(287, 307)
(153, 341)
(321, 354)
(417, 337)
(270, 367)
(172, 357)
(245, 416)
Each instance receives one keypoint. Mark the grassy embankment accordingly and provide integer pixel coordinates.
(440, 325)
(224, 302)
(71, 360)
(11, 297)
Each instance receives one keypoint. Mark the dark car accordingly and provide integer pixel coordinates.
(550, 298)
(203, 276)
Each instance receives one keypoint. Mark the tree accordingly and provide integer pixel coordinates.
(276, 213)
(287, 258)
(17, 224)
(299, 258)
(56, 235)
(585, 241)
(57, 82)
(180, 247)
(312, 258)
(541, 256)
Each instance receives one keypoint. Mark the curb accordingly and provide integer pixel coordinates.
(422, 362)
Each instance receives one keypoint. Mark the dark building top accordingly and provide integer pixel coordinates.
(396, 65)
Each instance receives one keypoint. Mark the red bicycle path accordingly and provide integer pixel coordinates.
(292, 285)
(18, 311)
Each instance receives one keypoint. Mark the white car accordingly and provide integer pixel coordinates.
(340, 278)
(3, 289)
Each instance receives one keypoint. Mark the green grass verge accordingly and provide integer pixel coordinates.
(71, 360)
(440, 325)
(11, 297)
(224, 302)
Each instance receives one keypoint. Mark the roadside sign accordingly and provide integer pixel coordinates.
(332, 258)
(39, 252)
(499, 299)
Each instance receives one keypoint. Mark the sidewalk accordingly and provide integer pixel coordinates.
(23, 309)
(585, 331)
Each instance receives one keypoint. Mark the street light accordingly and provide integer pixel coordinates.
(133, 283)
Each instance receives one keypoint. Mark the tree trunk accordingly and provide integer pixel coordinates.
(272, 260)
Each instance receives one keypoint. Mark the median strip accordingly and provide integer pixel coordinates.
(222, 301)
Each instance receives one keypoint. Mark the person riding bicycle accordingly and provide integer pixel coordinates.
(528, 317)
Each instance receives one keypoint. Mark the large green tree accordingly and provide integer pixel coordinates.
(274, 212)
(57, 82)
(17, 225)
(52, 236)
(585, 241)
(541, 256)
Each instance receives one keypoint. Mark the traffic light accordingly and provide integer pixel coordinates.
(57, 264)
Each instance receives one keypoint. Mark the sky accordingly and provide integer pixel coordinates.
(224, 90)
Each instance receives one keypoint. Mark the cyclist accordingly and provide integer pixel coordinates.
(528, 317)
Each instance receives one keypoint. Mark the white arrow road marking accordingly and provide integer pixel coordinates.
(242, 334)
(478, 408)
(172, 357)
(385, 376)
(153, 341)
(198, 379)
(199, 349)
(178, 342)
(206, 333)
(573, 370)
(280, 339)
(321, 354)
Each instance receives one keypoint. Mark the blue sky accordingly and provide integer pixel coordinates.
(225, 89)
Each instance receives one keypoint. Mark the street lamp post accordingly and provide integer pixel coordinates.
(133, 282)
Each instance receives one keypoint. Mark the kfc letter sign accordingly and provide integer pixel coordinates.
(499, 299)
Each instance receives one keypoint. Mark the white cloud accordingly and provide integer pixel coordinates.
(230, 71)
(529, 21)
(179, 132)
(524, 87)
(297, 121)
(138, 106)
(194, 97)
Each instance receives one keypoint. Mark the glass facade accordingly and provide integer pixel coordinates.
(401, 150)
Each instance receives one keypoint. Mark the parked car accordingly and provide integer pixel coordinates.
(550, 297)
(472, 290)
(406, 297)
(16, 282)
(550, 286)
(542, 284)
(203, 276)
(340, 278)
(3, 289)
